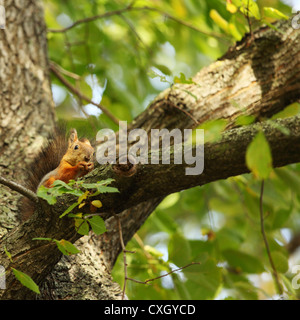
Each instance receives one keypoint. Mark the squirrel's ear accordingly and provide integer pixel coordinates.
(73, 136)
(86, 141)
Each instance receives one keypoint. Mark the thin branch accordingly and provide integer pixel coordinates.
(249, 22)
(66, 72)
(133, 29)
(275, 274)
(124, 254)
(164, 275)
(129, 8)
(92, 18)
(20, 189)
(182, 110)
(219, 36)
(80, 94)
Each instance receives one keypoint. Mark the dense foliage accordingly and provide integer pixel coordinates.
(123, 58)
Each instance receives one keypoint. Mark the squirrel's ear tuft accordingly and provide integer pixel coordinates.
(73, 136)
(86, 141)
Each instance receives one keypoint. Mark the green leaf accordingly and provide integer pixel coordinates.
(228, 239)
(218, 19)
(105, 182)
(280, 261)
(274, 13)
(280, 218)
(60, 187)
(66, 247)
(60, 183)
(164, 222)
(284, 130)
(289, 177)
(105, 189)
(45, 194)
(163, 69)
(243, 261)
(204, 279)
(182, 79)
(26, 280)
(258, 156)
(43, 239)
(101, 186)
(169, 201)
(8, 254)
(253, 9)
(179, 250)
(154, 252)
(248, 291)
(290, 111)
(248, 7)
(74, 205)
(213, 129)
(97, 224)
(82, 226)
(272, 26)
(234, 31)
(245, 120)
(152, 74)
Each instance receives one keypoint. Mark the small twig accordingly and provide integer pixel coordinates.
(20, 189)
(130, 7)
(249, 22)
(124, 254)
(66, 72)
(184, 111)
(275, 274)
(219, 36)
(133, 29)
(164, 275)
(80, 94)
(89, 19)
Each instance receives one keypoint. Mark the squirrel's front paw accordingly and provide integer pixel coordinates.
(85, 167)
(89, 166)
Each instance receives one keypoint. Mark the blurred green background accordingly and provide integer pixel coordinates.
(123, 60)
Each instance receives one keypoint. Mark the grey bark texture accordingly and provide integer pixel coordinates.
(25, 96)
(258, 79)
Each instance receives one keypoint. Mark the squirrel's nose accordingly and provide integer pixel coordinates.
(87, 159)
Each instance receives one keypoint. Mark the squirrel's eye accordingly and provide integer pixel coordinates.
(76, 147)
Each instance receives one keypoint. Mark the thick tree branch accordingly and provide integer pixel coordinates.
(259, 80)
(19, 188)
(222, 159)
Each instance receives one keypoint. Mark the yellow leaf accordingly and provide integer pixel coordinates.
(83, 197)
(231, 7)
(81, 205)
(218, 19)
(97, 203)
(179, 8)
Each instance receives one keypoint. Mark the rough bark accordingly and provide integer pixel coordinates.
(179, 109)
(25, 95)
(262, 94)
(222, 159)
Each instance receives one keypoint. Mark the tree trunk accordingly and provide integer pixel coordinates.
(25, 96)
(261, 79)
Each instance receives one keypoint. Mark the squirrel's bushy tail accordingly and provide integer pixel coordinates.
(46, 160)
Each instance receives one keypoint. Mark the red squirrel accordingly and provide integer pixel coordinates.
(59, 159)
(75, 163)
